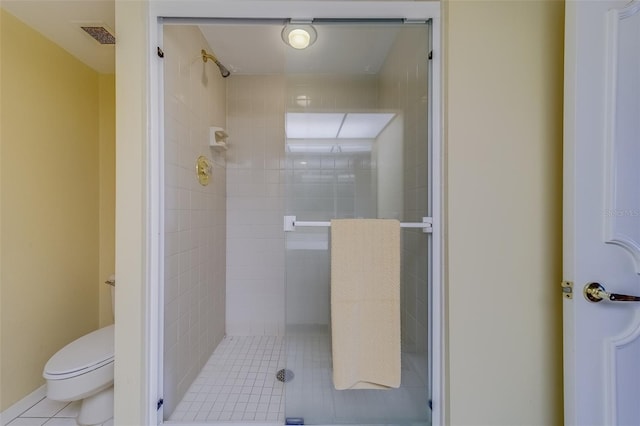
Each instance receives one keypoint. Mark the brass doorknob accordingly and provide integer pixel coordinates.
(595, 292)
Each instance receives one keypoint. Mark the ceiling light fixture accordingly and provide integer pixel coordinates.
(299, 36)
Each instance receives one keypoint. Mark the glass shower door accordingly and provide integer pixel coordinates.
(356, 147)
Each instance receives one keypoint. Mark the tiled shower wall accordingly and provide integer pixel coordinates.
(333, 185)
(195, 215)
(259, 175)
(255, 240)
(403, 86)
(321, 187)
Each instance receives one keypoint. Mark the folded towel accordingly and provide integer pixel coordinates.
(365, 303)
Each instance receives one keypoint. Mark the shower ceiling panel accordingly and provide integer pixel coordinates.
(339, 49)
(310, 125)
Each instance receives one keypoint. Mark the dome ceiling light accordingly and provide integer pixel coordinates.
(299, 35)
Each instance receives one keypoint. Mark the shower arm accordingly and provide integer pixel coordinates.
(223, 70)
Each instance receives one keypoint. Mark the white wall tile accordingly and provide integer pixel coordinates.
(194, 321)
(403, 87)
(255, 283)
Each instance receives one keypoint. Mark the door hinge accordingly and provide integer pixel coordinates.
(430, 57)
(160, 403)
(567, 289)
(160, 52)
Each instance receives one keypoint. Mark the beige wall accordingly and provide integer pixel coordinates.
(504, 141)
(131, 183)
(49, 199)
(107, 200)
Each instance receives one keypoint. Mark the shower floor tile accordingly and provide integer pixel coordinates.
(311, 393)
(238, 383)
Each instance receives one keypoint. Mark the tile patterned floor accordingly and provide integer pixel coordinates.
(50, 413)
(238, 383)
(312, 395)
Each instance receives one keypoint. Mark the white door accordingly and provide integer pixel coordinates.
(602, 212)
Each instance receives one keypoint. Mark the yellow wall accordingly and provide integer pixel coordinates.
(503, 113)
(504, 144)
(52, 124)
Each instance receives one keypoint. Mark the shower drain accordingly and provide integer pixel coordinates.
(285, 375)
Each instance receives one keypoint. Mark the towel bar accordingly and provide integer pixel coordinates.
(290, 224)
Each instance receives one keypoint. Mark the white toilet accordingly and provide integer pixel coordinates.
(83, 370)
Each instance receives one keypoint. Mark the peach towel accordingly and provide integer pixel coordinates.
(365, 303)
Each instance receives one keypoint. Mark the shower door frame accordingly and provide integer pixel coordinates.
(191, 11)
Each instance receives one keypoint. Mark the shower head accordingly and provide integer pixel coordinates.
(223, 70)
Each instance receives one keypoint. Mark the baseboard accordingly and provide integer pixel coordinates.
(23, 405)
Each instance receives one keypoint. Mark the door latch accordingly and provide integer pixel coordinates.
(567, 289)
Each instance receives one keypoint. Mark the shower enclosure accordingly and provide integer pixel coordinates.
(337, 130)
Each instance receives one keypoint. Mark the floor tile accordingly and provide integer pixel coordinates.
(61, 421)
(28, 421)
(235, 378)
(71, 410)
(45, 408)
(239, 384)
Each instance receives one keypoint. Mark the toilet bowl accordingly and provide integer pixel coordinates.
(83, 370)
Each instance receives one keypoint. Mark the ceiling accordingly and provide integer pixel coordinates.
(342, 49)
(244, 48)
(60, 21)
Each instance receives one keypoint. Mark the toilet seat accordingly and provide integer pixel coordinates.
(82, 356)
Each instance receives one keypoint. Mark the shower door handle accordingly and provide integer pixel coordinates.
(595, 292)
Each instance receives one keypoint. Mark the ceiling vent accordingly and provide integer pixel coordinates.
(100, 34)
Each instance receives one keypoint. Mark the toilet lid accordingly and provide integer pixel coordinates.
(91, 350)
